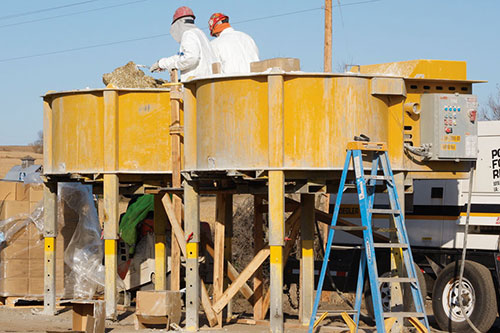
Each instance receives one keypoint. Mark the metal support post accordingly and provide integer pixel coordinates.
(276, 243)
(192, 232)
(307, 261)
(111, 219)
(50, 234)
(160, 219)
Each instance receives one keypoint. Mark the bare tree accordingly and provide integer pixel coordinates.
(492, 109)
(38, 143)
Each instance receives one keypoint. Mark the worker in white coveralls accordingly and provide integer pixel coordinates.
(195, 56)
(235, 50)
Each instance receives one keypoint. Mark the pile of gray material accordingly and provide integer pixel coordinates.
(129, 76)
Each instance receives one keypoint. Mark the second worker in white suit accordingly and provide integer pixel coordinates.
(195, 56)
(235, 50)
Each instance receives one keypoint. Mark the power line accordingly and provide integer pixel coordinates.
(163, 35)
(46, 9)
(71, 14)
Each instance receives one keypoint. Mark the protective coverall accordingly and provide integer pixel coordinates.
(195, 56)
(235, 50)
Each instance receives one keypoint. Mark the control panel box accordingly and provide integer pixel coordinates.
(448, 126)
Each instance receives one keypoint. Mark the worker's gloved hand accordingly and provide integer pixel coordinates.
(155, 67)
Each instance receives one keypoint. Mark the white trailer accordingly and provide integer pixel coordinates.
(435, 214)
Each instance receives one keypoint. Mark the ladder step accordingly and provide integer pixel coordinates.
(384, 211)
(348, 185)
(377, 177)
(397, 279)
(390, 245)
(338, 312)
(404, 314)
(348, 228)
(384, 229)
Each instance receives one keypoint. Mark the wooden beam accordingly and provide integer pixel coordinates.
(179, 234)
(242, 278)
(258, 278)
(328, 36)
(233, 274)
(176, 148)
(218, 256)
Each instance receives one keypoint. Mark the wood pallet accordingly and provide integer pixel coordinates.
(23, 301)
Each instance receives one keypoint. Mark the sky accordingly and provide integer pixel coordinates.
(365, 32)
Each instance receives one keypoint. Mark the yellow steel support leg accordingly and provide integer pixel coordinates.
(160, 219)
(276, 242)
(111, 217)
(50, 233)
(307, 260)
(192, 227)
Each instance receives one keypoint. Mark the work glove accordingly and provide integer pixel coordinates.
(155, 67)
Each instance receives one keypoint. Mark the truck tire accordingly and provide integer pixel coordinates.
(479, 298)
(386, 294)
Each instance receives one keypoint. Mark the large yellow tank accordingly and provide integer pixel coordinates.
(296, 121)
(107, 131)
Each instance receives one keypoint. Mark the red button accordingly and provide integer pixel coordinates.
(447, 130)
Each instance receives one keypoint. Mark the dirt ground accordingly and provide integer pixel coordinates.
(11, 156)
(25, 319)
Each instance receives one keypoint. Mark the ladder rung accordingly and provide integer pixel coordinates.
(404, 314)
(384, 229)
(390, 245)
(338, 312)
(397, 279)
(348, 228)
(377, 177)
(349, 185)
(384, 211)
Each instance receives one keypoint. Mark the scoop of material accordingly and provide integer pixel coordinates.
(130, 76)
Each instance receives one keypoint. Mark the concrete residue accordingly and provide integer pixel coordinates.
(129, 76)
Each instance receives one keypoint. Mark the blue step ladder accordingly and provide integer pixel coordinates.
(365, 184)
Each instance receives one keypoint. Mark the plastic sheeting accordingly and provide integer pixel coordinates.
(84, 253)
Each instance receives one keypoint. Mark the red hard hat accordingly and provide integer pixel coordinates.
(214, 21)
(182, 12)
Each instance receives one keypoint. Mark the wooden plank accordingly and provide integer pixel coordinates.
(179, 234)
(220, 235)
(258, 279)
(286, 64)
(175, 137)
(233, 274)
(244, 276)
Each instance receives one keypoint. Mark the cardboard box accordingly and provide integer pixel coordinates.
(8, 190)
(36, 287)
(22, 192)
(159, 303)
(14, 268)
(14, 286)
(35, 193)
(11, 208)
(88, 315)
(19, 249)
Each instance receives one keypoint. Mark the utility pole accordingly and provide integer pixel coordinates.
(328, 36)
